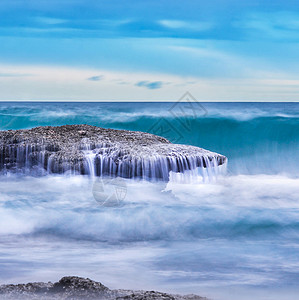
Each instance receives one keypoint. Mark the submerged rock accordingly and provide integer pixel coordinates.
(96, 151)
(80, 288)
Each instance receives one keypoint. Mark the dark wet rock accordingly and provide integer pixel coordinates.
(85, 149)
(81, 288)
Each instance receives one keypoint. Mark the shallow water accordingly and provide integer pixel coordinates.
(236, 237)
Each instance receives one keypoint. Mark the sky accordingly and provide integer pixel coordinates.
(145, 50)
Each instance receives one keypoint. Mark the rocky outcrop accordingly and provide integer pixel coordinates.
(80, 288)
(85, 149)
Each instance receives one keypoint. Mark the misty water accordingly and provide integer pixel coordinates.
(233, 237)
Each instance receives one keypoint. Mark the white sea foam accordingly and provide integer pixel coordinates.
(151, 210)
(238, 230)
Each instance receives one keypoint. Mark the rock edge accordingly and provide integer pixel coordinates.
(96, 151)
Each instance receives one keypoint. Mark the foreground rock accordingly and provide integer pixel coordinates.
(86, 149)
(80, 288)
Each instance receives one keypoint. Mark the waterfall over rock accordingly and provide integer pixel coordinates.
(95, 151)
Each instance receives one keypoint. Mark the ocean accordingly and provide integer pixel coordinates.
(233, 237)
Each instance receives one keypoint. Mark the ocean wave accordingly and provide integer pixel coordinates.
(257, 138)
(129, 112)
(234, 207)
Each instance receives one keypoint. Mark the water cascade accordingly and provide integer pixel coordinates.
(95, 151)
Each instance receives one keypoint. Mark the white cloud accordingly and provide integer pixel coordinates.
(191, 25)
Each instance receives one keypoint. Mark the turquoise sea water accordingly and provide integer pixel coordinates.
(236, 238)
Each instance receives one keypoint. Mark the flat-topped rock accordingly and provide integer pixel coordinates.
(92, 150)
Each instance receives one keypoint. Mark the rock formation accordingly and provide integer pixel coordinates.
(85, 149)
(75, 288)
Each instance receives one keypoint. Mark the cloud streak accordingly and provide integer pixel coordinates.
(150, 85)
(96, 78)
(197, 19)
(273, 26)
(186, 25)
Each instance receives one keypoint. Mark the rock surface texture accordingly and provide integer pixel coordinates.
(80, 288)
(85, 149)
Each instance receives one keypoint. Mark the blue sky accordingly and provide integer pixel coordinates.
(149, 50)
